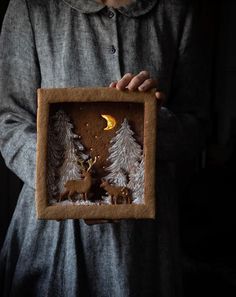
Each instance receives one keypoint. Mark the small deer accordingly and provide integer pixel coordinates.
(83, 186)
(116, 192)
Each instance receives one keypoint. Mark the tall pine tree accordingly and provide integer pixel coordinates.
(123, 154)
(72, 150)
(136, 182)
(55, 153)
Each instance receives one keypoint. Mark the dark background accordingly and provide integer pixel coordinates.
(207, 212)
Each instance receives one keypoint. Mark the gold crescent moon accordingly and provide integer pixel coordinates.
(111, 122)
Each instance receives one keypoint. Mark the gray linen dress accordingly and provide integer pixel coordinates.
(73, 43)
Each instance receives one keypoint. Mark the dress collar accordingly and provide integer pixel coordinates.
(135, 9)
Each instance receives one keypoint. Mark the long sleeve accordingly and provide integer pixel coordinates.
(19, 80)
(183, 121)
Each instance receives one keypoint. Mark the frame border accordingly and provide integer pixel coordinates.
(120, 211)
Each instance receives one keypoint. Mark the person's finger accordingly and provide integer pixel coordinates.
(138, 80)
(161, 97)
(124, 81)
(113, 84)
(148, 84)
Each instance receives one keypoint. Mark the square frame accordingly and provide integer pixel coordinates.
(90, 95)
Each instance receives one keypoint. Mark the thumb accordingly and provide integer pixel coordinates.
(161, 97)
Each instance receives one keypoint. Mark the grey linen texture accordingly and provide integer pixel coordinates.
(73, 43)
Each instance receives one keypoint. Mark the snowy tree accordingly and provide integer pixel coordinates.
(120, 179)
(136, 183)
(72, 150)
(55, 154)
(132, 175)
(123, 154)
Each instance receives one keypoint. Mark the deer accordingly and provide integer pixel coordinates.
(82, 186)
(116, 192)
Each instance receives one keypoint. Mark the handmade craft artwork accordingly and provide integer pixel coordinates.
(94, 148)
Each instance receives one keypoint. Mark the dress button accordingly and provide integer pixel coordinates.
(110, 14)
(113, 49)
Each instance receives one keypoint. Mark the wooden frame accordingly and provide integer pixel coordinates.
(46, 97)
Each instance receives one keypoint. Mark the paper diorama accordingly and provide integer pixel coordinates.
(96, 152)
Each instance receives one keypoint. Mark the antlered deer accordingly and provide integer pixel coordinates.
(116, 192)
(74, 187)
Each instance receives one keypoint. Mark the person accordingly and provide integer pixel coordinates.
(75, 43)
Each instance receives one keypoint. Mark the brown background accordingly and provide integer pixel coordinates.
(89, 126)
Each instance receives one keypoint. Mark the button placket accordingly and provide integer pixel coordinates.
(113, 48)
(110, 14)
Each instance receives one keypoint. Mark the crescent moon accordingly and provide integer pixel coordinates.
(111, 122)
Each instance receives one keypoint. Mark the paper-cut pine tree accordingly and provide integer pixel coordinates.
(132, 176)
(136, 182)
(55, 154)
(120, 179)
(124, 152)
(73, 150)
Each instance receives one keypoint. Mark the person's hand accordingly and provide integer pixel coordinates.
(141, 82)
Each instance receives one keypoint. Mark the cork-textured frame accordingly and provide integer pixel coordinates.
(120, 211)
